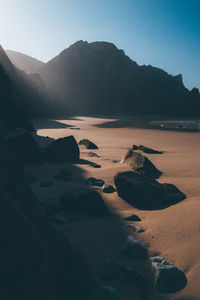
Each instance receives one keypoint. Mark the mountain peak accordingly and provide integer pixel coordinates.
(24, 62)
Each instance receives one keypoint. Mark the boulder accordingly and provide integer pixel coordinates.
(37, 262)
(146, 149)
(88, 144)
(108, 189)
(132, 217)
(95, 182)
(168, 278)
(63, 150)
(134, 249)
(89, 202)
(23, 146)
(141, 164)
(146, 193)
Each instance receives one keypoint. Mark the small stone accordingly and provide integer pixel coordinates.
(134, 249)
(136, 228)
(46, 183)
(88, 144)
(92, 154)
(132, 217)
(95, 182)
(94, 165)
(108, 188)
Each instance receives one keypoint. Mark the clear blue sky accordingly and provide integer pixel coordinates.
(163, 33)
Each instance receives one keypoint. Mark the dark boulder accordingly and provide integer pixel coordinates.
(146, 193)
(141, 164)
(134, 249)
(146, 149)
(23, 146)
(88, 144)
(37, 262)
(63, 150)
(168, 278)
(89, 202)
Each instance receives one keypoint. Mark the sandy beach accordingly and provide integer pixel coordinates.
(173, 232)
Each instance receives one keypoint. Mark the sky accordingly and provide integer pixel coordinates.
(161, 33)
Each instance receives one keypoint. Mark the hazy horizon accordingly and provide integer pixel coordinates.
(164, 34)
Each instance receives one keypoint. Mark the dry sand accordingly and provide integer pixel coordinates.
(173, 232)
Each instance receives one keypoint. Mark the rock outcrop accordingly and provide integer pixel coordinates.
(23, 146)
(37, 262)
(63, 150)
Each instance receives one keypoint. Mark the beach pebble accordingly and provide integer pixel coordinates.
(92, 154)
(136, 228)
(134, 249)
(132, 217)
(108, 188)
(95, 182)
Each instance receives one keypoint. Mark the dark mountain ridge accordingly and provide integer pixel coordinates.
(98, 78)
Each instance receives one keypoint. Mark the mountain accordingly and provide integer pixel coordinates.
(28, 92)
(24, 62)
(98, 78)
(11, 117)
